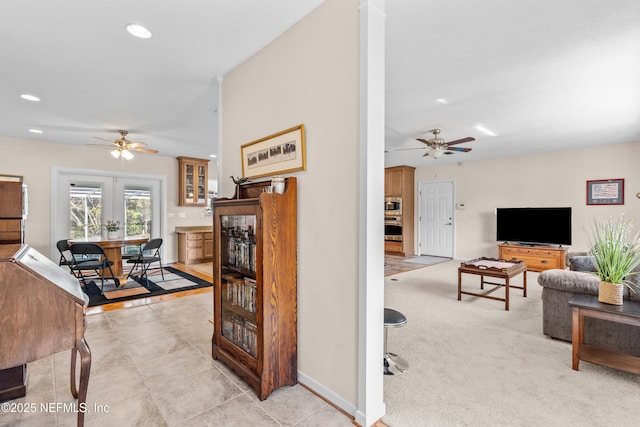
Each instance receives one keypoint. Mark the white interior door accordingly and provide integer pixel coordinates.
(435, 219)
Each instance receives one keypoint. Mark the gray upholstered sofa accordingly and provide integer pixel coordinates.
(558, 288)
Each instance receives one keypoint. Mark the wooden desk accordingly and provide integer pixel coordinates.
(113, 250)
(492, 267)
(582, 306)
(42, 313)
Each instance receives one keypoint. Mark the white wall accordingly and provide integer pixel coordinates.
(545, 179)
(310, 75)
(34, 161)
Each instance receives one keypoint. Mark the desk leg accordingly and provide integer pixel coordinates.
(577, 336)
(525, 283)
(459, 285)
(80, 392)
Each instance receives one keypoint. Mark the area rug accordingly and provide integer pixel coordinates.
(174, 281)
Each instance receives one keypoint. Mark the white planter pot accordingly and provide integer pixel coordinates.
(112, 234)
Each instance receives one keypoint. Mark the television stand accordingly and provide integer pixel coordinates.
(537, 258)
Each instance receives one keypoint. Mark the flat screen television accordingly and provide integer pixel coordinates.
(534, 225)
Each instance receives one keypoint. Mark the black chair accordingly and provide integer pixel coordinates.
(91, 257)
(66, 257)
(149, 253)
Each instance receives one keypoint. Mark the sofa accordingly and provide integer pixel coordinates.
(558, 286)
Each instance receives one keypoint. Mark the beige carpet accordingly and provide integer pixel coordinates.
(474, 364)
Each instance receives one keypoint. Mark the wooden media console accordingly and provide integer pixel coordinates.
(537, 258)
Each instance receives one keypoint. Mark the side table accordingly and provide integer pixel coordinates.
(588, 306)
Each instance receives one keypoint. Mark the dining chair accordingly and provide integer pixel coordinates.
(91, 256)
(66, 257)
(149, 253)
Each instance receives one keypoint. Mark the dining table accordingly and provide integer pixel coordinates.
(113, 251)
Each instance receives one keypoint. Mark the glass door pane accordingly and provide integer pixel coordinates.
(85, 211)
(239, 292)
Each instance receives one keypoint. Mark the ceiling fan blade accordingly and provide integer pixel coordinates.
(102, 139)
(135, 144)
(144, 150)
(101, 146)
(417, 148)
(460, 141)
(424, 141)
(459, 149)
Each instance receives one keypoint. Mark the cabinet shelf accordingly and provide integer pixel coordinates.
(255, 273)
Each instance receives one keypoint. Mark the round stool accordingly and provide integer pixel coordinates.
(393, 319)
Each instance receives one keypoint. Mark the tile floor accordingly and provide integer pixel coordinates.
(152, 366)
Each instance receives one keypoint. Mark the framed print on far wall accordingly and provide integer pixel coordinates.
(275, 154)
(605, 192)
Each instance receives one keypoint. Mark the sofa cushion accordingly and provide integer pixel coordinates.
(571, 281)
(582, 263)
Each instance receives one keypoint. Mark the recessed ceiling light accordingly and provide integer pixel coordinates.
(138, 31)
(35, 131)
(485, 130)
(212, 155)
(442, 101)
(29, 97)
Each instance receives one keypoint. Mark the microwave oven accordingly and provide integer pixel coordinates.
(393, 205)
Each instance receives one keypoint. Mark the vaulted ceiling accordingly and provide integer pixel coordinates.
(542, 75)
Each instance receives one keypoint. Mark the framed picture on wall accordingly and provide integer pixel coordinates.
(275, 154)
(605, 192)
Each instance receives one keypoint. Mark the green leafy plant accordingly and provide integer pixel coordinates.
(112, 225)
(616, 250)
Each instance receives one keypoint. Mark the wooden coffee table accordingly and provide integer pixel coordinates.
(582, 306)
(493, 267)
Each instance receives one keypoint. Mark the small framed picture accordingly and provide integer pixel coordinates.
(605, 192)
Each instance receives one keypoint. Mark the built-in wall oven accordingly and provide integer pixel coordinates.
(393, 228)
(393, 205)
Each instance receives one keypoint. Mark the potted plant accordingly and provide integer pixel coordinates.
(616, 253)
(112, 228)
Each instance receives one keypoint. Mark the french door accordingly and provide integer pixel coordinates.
(84, 202)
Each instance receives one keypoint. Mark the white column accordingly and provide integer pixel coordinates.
(371, 231)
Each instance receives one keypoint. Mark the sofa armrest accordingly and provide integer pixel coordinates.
(570, 281)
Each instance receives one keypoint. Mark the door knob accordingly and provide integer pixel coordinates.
(448, 223)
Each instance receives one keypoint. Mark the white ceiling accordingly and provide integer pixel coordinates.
(543, 74)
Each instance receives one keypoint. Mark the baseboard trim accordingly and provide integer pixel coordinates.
(327, 395)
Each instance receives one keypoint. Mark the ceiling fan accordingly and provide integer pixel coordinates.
(438, 146)
(123, 147)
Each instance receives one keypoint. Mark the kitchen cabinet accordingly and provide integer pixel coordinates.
(195, 244)
(193, 178)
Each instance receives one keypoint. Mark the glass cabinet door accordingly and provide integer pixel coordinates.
(239, 295)
(189, 183)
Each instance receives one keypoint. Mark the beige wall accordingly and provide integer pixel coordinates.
(34, 160)
(310, 75)
(544, 179)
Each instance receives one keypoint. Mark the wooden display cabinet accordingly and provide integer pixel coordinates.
(537, 258)
(193, 178)
(255, 276)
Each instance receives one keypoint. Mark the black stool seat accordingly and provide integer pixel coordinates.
(393, 318)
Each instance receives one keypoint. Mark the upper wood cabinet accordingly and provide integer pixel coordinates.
(193, 177)
(394, 180)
